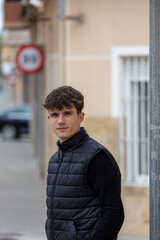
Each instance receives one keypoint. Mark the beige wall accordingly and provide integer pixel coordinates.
(136, 206)
(108, 23)
(79, 54)
(92, 78)
(88, 45)
(104, 130)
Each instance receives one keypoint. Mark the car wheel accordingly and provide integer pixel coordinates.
(9, 132)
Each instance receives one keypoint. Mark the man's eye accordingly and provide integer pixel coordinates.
(67, 113)
(54, 115)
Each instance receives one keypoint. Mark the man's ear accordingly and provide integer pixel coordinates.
(81, 116)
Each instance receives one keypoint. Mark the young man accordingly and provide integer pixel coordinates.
(84, 181)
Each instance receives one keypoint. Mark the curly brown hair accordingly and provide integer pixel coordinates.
(64, 96)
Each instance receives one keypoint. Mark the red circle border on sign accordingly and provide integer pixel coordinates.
(19, 52)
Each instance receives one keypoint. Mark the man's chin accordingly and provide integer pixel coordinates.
(63, 137)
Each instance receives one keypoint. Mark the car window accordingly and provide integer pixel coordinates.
(19, 113)
(22, 109)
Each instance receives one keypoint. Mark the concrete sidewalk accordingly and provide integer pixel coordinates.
(131, 238)
(22, 193)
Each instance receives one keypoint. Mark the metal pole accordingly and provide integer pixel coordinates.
(154, 120)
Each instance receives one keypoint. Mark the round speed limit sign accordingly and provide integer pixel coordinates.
(30, 58)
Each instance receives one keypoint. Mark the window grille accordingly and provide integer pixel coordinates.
(134, 119)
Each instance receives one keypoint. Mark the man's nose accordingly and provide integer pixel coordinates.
(61, 119)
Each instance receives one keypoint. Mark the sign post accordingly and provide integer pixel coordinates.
(30, 59)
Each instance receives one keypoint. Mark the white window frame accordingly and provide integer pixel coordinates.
(117, 54)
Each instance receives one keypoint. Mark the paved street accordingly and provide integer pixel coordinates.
(22, 193)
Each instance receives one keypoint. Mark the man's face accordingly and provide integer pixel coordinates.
(66, 122)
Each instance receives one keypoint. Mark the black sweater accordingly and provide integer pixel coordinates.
(101, 178)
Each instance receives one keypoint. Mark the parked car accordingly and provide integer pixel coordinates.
(14, 121)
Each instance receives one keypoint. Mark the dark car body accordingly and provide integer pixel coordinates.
(14, 121)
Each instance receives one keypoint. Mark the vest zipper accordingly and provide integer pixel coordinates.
(59, 161)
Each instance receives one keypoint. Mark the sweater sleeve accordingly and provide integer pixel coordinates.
(102, 178)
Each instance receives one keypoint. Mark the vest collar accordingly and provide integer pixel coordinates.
(74, 141)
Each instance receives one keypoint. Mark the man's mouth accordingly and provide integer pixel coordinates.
(62, 128)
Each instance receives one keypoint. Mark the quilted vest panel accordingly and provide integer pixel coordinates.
(73, 209)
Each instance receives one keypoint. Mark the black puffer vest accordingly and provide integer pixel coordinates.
(73, 209)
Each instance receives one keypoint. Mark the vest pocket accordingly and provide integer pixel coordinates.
(72, 230)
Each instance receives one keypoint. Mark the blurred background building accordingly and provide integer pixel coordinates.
(100, 48)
